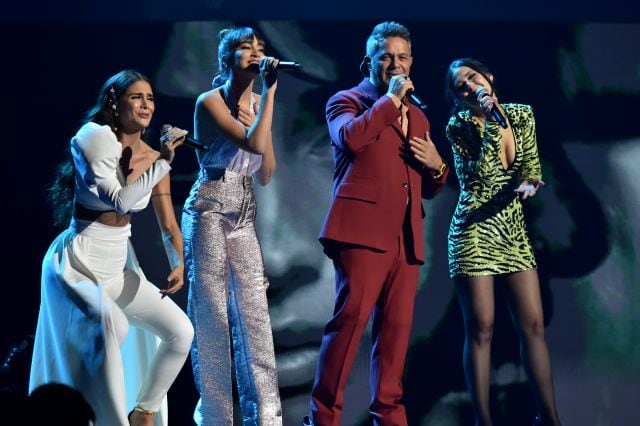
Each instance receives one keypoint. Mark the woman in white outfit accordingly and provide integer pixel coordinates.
(92, 285)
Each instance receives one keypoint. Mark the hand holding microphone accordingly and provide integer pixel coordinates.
(269, 71)
(167, 130)
(171, 138)
(489, 105)
(401, 87)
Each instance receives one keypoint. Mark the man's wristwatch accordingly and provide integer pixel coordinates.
(440, 170)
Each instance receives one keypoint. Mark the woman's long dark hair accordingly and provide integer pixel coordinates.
(104, 112)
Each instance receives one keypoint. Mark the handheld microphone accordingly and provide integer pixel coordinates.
(416, 100)
(494, 112)
(282, 66)
(188, 140)
(288, 66)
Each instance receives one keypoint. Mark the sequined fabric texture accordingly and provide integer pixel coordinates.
(227, 291)
(488, 234)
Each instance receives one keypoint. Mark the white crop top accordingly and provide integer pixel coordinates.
(99, 182)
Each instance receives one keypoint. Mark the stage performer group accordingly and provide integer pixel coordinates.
(106, 331)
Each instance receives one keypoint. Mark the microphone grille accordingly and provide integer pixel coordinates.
(165, 128)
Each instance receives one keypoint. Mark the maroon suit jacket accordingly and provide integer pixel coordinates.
(373, 176)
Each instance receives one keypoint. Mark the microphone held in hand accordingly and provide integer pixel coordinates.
(416, 100)
(282, 66)
(188, 140)
(288, 66)
(494, 112)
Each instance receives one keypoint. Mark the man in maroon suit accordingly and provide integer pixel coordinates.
(385, 163)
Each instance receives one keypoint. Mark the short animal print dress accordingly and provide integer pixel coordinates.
(487, 235)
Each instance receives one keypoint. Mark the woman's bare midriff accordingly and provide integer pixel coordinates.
(109, 218)
(113, 218)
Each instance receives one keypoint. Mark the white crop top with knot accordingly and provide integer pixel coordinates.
(99, 182)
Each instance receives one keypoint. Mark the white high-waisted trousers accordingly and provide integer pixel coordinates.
(92, 290)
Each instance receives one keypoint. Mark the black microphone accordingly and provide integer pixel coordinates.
(288, 66)
(495, 112)
(282, 66)
(416, 100)
(188, 140)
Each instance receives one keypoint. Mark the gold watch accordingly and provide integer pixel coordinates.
(440, 170)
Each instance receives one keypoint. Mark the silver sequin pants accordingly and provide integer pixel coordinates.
(227, 291)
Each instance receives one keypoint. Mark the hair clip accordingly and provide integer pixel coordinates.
(112, 101)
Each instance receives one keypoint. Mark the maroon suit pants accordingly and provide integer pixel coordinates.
(368, 283)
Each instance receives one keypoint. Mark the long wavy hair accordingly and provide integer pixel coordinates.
(451, 91)
(228, 41)
(104, 112)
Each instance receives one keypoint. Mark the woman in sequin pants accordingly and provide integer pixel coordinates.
(222, 253)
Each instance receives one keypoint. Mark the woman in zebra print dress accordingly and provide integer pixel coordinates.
(497, 164)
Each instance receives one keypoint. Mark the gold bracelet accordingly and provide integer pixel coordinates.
(440, 170)
(160, 194)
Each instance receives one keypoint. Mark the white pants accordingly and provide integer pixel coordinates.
(92, 289)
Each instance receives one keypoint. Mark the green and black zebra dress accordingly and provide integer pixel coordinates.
(487, 235)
